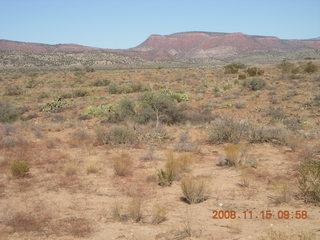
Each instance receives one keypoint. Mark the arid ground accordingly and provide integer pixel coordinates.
(164, 153)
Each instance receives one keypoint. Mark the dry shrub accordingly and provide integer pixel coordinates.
(185, 145)
(134, 209)
(70, 169)
(235, 154)
(309, 181)
(122, 165)
(116, 135)
(228, 129)
(284, 191)
(116, 212)
(245, 175)
(195, 189)
(159, 214)
(174, 167)
(80, 136)
(92, 169)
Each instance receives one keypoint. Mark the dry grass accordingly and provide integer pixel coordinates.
(159, 214)
(195, 189)
(122, 165)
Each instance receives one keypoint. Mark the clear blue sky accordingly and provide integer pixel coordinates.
(127, 23)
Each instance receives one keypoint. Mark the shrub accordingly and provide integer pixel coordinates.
(174, 167)
(233, 154)
(195, 189)
(159, 214)
(122, 165)
(242, 76)
(161, 107)
(7, 112)
(80, 93)
(309, 181)
(228, 129)
(134, 209)
(254, 71)
(185, 145)
(19, 169)
(55, 106)
(119, 135)
(14, 90)
(310, 68)
(233, 68)
(101, 82)
(254, 84)
(165, 177)
(272, 134)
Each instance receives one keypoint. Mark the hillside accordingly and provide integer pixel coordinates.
(179, 49)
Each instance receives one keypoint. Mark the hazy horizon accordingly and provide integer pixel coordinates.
(122, 24)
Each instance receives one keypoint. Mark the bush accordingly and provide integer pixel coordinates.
(174, 167)
(55, 106)
(159, 214)
(254, 71)
(233, 68)
(19, 169)
(14, 90)
(122, 165)
(119, 135)
(101, 82)
(7, 112)
(309, 181)
(310, 68)
(161, 107)
(254, 84)
(195, 189)
(80, 93)
(228, 129)
(233, 154)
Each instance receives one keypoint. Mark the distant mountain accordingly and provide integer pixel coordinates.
(185, 47)
(216, 45)
(7, 45)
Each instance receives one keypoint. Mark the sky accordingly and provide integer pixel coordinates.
(126, 23)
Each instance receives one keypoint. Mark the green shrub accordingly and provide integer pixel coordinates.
(233, 68)
(119, 135)
(254, 71)
(310, 68)
(101, 82)
(99, 111)
(254, 84)
(7, 112)
(161, 107)
(309, 181)
(19, 169)
(80, 93)
(55, 106)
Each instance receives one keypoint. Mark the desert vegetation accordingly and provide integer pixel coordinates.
(150, 153)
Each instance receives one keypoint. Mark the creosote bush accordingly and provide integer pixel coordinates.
(19, 169)
(195, 189)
